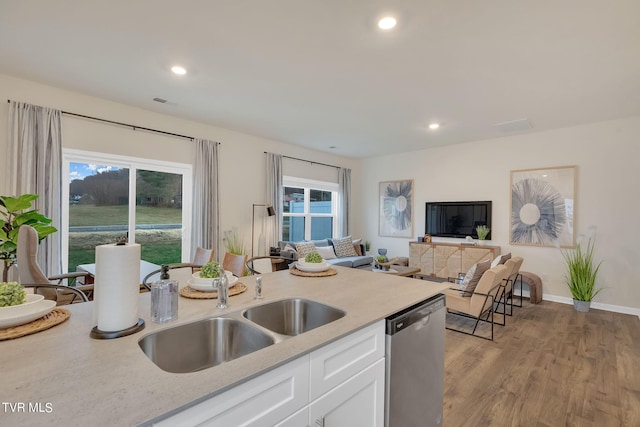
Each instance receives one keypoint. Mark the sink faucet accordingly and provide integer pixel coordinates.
(223, 290)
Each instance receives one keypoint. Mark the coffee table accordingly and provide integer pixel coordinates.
(399, 270)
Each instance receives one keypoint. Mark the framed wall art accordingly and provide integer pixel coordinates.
(396, 208)
(542, 206)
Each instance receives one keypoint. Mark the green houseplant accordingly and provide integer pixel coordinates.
(582, 271)
(483, 232)
(14, 212)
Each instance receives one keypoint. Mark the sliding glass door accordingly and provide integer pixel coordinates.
(112, 196)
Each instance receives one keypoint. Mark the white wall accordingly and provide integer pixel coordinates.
(606, 155)
(241, 156)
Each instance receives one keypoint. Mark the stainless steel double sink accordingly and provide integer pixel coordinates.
(213, 340)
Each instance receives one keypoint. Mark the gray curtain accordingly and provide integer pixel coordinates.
(35, 164)
(205, 226)
(273, 196)
(344, 201)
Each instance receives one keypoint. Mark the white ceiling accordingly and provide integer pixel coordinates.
(320, 74)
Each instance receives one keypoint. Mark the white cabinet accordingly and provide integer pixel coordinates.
(336, 362)
(262, 401)
(340, 384)
(358, 402)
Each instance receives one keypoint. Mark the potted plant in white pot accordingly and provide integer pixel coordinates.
(483, 232)
(582, 271)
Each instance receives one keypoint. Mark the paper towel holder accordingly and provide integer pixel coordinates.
(107, 335)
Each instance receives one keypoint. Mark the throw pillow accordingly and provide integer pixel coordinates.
(304, 249)
(505, 257)
(496, 261)
(289, 248)
(472, 278)
(344, 247)
(357, 248)
(326, 252)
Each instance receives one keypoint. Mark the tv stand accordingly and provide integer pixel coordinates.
(448, 259)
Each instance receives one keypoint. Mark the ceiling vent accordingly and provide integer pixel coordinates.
(514, 125)
(160, 100)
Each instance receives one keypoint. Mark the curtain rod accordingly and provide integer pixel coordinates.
(309, 161)
(177, 135)
(134, 127)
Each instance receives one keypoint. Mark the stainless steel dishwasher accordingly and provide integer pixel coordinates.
(415, 365)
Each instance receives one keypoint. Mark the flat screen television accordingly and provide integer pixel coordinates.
(457, 219)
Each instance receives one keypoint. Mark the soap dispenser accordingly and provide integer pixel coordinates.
(164, 298)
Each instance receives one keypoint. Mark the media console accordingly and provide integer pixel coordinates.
(448, 259)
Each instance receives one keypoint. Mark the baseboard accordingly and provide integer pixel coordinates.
(599, 306)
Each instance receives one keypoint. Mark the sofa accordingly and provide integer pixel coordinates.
(326, 247)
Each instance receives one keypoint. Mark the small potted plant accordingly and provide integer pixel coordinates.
(483, 232)
(582, 271)
(367, 246)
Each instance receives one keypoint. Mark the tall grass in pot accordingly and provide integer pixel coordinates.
(582, 271)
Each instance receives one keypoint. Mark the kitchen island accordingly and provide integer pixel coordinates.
(63, 377)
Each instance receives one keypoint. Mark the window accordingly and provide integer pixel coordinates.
(110, 196)
(309, 210)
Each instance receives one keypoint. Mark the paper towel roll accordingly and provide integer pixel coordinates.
(117, 286)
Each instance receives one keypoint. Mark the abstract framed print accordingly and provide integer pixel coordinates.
(543, 206)
(396, 208)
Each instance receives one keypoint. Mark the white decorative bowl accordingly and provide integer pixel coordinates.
(35, 307)
(30, 300)
(206, 285)
(196, 279)
(312, 267)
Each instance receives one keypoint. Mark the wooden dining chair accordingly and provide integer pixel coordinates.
(203, 256)
(234, 263)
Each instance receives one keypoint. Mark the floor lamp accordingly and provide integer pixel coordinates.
(270, 212)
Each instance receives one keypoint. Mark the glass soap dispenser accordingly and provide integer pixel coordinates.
(164, 298)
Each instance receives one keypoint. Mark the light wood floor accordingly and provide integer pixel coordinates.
(550, 366)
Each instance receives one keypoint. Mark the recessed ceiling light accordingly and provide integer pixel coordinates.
(387, 23)
(179, 70)
(434, 126)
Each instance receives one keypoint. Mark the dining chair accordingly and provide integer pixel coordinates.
(234, 263)
(264, 264)
(176, 271)
(30, 272)
(64, 294)
(203, 256)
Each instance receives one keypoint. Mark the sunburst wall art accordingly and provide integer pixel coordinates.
(396, 208)
(542, 206)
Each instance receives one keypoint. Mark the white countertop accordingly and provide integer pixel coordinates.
(70, 379)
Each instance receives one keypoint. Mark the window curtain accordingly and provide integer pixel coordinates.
(273, 194)
(344, 201)
(35, 166)
(205, 229)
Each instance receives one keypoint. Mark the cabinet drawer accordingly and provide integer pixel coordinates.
(262, 401)
(338, 361)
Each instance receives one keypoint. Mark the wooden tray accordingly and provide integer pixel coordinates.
(55, 317)
(326, 273)
(189, 292)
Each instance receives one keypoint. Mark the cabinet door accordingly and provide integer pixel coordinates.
(447, 260)
(472, 256)
(299, 419)
(421, 256)
(358, 402)
(340, 360)
(262, 401)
